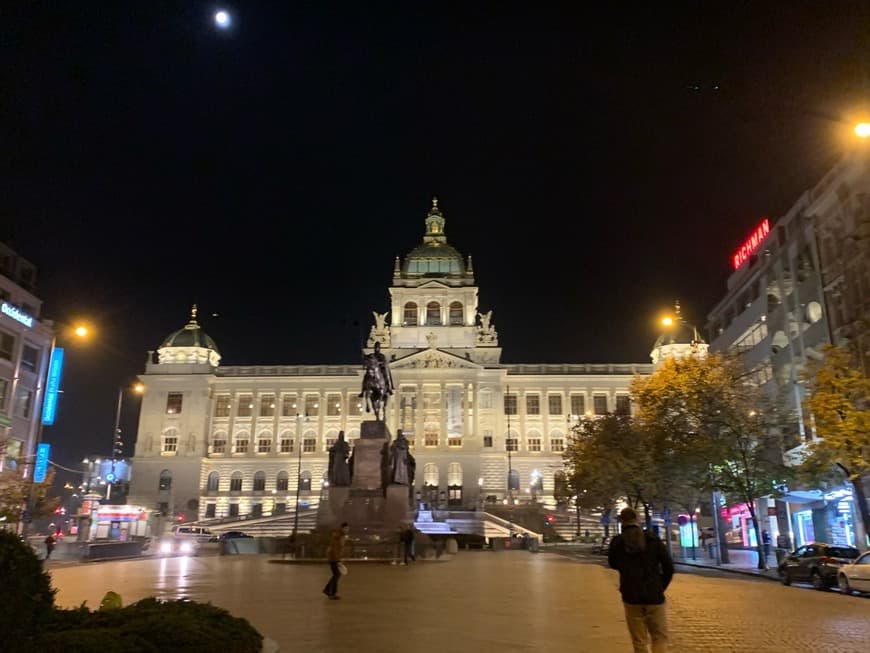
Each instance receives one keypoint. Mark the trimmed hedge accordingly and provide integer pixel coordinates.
(28, 600)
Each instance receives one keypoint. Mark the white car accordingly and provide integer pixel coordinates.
(855, 577)
(177, 546)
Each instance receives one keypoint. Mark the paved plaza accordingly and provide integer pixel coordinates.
(481, 601)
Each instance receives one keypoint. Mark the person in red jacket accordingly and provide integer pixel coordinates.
(645, 571)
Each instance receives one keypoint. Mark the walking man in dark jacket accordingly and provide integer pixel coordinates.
(645, 571)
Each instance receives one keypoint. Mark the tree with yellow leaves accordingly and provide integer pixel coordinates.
(839, 405)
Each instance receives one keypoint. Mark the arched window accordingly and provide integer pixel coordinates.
(281, 482)
(410, 318)
(259, 481)
(456, 314)
(305, 481)
(236, 482)
(433, 314)
(514, 480)
(430, 474)
(165, 482)
(214, 482)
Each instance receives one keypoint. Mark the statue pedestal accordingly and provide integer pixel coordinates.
(374, 509)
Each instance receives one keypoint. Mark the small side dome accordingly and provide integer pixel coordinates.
(190, 345)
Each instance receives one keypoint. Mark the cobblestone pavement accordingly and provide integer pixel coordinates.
(482, 601)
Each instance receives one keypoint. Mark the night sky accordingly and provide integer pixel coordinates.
(596, 165)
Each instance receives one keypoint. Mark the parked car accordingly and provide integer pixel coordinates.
(855, 577)
(229, 535)
(817, 563)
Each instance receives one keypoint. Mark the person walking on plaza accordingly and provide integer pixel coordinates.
(333, 556)
(645, 571)
(408, 545)
(49, 545)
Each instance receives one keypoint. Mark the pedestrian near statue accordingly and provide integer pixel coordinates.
(333, 556)
(645, 571)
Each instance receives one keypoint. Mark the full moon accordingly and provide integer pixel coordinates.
(222, 19)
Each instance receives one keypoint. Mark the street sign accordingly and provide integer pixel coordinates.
(110, 477)
(41, 468)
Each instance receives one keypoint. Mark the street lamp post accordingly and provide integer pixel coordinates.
(117, 444)
(300, 421)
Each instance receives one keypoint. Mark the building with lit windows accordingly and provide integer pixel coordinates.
(221, 441)
(799, 283)
(25, 349)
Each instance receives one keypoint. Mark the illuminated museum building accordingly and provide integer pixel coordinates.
(217, 441)
(798, 284)
(25, 349)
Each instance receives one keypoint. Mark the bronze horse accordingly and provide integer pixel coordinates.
(375, 390)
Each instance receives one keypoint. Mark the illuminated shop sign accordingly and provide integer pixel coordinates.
(16, 314)
(751, 244)
(42, 453)
(55, 369)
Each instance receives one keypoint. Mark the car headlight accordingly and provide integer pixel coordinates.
(165, 547)
(186, 547)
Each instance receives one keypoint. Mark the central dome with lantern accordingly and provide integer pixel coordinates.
(434, 258)
(190, 345)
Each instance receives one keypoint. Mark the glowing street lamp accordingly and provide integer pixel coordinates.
(222, 19)
(862, 130)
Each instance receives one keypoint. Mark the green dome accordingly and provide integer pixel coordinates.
(434, 257)
(191, 335)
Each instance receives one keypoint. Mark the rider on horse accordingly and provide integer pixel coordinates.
(377, 382)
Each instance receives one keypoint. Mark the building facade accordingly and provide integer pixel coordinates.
(25, 349)
(220, 441)
(800, 283)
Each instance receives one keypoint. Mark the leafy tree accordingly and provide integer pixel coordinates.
(715, 430)
(15, 491)
(839, 402)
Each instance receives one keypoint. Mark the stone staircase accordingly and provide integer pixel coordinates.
(280, 525)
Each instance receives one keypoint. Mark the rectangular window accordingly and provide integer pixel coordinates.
(511, 444)
(484, 399)
(329, 443)
(312, 405)
(209, 510)
(286, 445)
(454, 442)
(333, 405)
(4, 392)
(264, 445)
(288, 406)
(23, 402)
(173, 403)
(267, 406)
(234, 508)
(236, 484)
(533, 405)
(7, 345)
(246, 406)
(241, 446)
(534, 444)
(280, 508)
(557, 445)
(222, 406)
(555, 402)
(354, 405)
(578, 405)
(510, 404)
(170, 444)
(219, 446)
(430, 438)
(487, 438)
(623, 405)
(29, 357)
(599, 403)
(309, 445)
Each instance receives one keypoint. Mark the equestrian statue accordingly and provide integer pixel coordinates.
(377, 384)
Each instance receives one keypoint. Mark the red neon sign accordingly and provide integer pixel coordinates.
(751, 244)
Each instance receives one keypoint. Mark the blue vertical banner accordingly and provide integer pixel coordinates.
(41, 468)
(52, 386)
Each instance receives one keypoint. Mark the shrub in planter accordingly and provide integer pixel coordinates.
(28, 599)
